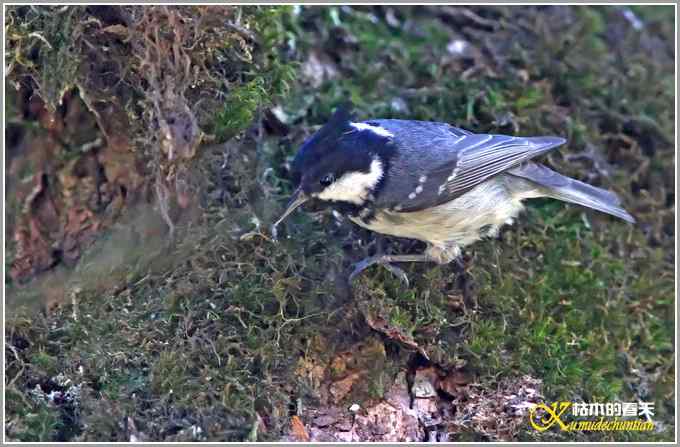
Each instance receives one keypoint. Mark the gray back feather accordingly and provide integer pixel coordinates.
(447, 161)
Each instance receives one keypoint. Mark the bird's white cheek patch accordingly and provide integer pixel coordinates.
(354, 187)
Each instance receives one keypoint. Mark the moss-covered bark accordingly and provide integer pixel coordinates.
(226, 335)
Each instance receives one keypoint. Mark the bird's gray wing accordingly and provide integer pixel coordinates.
(468, 160)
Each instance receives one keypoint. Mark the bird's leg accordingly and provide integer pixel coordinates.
(441, 254)
(386, 261)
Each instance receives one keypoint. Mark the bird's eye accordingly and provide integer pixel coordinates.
(327, 179)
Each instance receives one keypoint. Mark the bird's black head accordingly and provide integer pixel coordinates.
(342, 162)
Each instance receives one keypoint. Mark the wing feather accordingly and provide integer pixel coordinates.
(478, 157)
(435, 163)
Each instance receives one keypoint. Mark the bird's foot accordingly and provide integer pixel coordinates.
(382, 260)
(399, 273)
(387, 261)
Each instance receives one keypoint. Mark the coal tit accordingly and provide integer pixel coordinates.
(430, 181)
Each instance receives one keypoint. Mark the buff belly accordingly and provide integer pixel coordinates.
(460, 222)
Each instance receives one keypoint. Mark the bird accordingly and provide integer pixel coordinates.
(429, 181)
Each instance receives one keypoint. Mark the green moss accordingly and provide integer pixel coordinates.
(529, 98)
(40, 425)
(240, 109)
(214, 327)
(568, 321)
(169, 375)
(44, 46)
(268, 80)
(47, 363)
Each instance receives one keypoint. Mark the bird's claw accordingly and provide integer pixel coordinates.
(364, 264)
(360, 267)
(399, 273)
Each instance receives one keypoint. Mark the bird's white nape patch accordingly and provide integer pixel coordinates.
(375, 129)
(354, 187)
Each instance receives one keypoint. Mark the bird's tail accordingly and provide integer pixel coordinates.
(555, 185)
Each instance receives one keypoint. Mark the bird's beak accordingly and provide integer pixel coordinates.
(299, 197)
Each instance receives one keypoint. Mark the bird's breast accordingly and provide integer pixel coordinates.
(462, 221)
